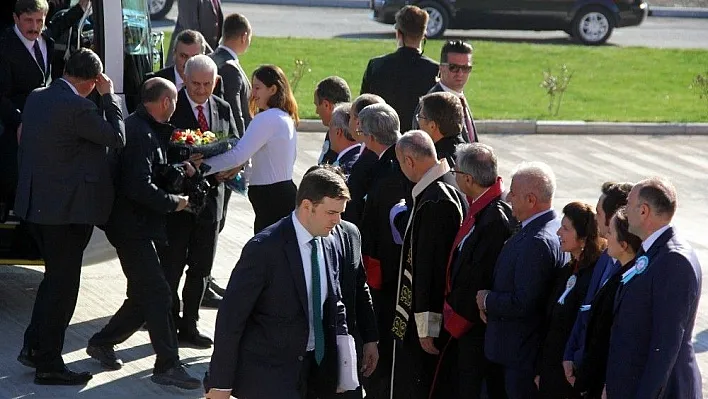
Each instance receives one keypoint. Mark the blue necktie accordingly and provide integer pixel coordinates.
(317, 304)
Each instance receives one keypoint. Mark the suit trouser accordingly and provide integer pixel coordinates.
(62, 247)
(519, 383)
(191, 242)
(149, 301)
(271, 202)
(378, 385)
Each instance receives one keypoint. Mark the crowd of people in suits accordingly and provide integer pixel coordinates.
(400, 267)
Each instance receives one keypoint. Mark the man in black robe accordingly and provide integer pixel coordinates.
(437, 210)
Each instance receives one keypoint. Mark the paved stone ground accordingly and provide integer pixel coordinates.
(581, 162)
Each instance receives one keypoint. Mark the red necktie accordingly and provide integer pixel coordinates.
(201, 118)
(471, 131)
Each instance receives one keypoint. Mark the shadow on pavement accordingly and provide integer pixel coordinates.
(700, 343)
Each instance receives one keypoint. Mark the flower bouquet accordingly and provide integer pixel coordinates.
(186, 142)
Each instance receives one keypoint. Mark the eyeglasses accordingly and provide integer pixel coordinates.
(457, 172)
(418, 117)
(454, 68)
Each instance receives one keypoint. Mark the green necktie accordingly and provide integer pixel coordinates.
(317, 304)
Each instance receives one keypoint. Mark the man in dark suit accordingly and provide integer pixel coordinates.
(341, 139)
(360, 175)
(282, 319)
(329, 93)
(203, 16)
(463, 368)
(405, 75)
(64, 190)
(514, 307)
(237, 86)
(192, 237)
(26, 52)
(136, 224)
(651, 351)
(455, 68)
(379, 126)
(440, 115)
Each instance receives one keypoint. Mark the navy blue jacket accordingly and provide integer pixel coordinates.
(651, 354)
(575, 347)
(522, 281)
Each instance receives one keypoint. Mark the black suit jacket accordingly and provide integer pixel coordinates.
(63, 165)
(465, 135)
(401, 78)
(358, 182)
(237, 87)
(348, 159)
(262, 326)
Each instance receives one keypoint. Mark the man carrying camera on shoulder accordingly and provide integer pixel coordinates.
(136, 226)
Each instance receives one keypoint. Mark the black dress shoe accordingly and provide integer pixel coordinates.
(25, 357)
(63, 377)
(106, 355)
(215, 288)
(192, 337)
(211, 299)
(176, 376)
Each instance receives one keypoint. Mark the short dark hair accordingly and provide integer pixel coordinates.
(622, 228)
(660, 194)
(582, 217)
(445, 109)
(83, 64)
(412, 22)
(333, 89)
(364, 101)
(235, 25)
(30, 6)
(154, 89)
(454, 46)
(190, 37)
(322, 181)
(615, 197)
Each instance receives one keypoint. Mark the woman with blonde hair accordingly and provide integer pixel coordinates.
(270, 141)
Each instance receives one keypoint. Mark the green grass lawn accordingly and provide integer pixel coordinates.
(609, 83)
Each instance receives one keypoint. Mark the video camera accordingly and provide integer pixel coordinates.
(174, 180)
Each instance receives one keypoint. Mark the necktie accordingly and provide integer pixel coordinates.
(471, 131)
(317, 304)
(38, 55)
(201, 118)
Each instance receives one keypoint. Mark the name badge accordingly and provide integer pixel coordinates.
(568, 287)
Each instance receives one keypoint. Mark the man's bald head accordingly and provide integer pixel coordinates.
(159, 97)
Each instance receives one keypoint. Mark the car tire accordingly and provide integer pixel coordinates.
(593, 25)
(159, 8)
(439, 18)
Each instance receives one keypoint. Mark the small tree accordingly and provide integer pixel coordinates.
(700, 83)
(555, 87)
(301, 67)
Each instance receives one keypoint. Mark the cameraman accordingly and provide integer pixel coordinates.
(136, 225)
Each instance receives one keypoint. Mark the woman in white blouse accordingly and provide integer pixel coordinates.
(270, 141)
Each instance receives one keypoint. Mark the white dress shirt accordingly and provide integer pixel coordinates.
(179, 83)
(303, 241)
(30, 46)
(646, 244)
(271, 141)
(534, 217)
(233, 53)
(71, 86)
(346, 150)
(206, 110)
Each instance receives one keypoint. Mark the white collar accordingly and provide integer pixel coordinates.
(28, 43)
(449, 90)
(384, 151)
(361, 150)
(346, 150)
(646, 244)
(178, 79)
(303, 236)
(434, 173)
(233, 53)
(483, 192)
(194, 104)
(71, 86)
(534, 217)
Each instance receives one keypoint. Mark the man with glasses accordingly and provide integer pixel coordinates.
(404, 75)
(440, 116)
(344, 146)
(455, 68)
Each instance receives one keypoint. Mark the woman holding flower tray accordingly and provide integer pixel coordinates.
(270, 141)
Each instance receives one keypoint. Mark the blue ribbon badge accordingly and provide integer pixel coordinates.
(568, 287)
(640, 265)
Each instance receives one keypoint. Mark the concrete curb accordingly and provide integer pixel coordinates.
(562, 127)
(670, 12)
